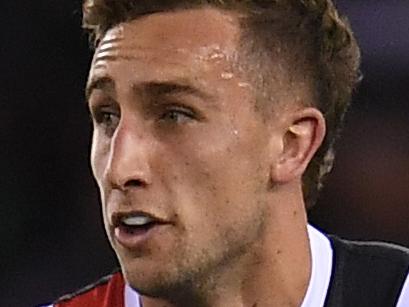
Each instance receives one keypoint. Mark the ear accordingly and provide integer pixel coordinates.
(303, 135)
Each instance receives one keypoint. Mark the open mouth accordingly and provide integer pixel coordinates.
(134, 225)
(132, 229)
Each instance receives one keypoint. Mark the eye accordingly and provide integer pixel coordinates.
(178, 115)
(106, 117)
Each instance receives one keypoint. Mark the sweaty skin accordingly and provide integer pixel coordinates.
(177, 136)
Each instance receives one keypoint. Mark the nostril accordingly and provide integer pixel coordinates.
(134, 183)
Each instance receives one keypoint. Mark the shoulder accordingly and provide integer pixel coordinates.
(106, 291)
(371, 251)
(367, 273)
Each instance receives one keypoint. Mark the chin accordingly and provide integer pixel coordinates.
(157, 280)
(144, 276)
(152, 284)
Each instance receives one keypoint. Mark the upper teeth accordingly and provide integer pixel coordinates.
(136, 220)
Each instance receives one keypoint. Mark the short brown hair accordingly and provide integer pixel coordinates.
(318, 43)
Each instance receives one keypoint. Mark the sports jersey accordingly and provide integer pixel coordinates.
(344, 273)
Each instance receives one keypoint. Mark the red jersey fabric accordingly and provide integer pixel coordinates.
(107, 292)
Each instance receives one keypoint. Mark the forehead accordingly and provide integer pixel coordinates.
(197, 46)
(206, 32)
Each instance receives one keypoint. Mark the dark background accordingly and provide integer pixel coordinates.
(52, 240)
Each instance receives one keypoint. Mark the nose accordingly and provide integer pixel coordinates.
(128, 162)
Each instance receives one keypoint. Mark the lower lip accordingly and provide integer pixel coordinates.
(134, 238)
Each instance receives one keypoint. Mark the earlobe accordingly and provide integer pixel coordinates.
(302, 138)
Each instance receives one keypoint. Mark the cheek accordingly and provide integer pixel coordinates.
(220, 186)
(99, 156)
(220, 207)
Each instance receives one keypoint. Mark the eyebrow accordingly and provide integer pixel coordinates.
(98, 83)
(152, 88)
(164, 88)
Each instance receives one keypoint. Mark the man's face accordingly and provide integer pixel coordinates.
(177, 138)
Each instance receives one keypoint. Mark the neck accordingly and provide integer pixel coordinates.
(275, 272)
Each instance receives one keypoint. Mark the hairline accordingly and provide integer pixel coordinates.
(243, 60)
